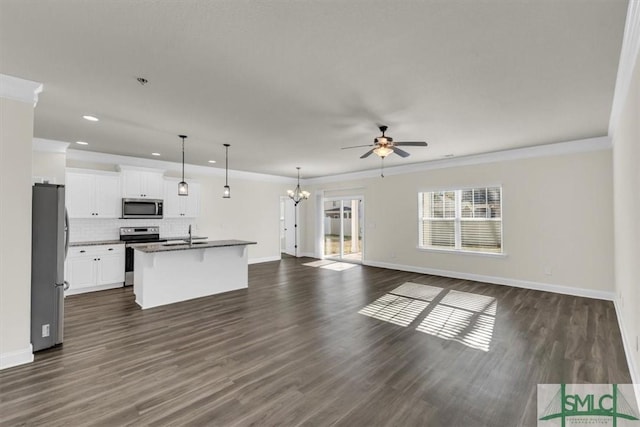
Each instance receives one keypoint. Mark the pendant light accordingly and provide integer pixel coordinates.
(226, 194)
(183, 187)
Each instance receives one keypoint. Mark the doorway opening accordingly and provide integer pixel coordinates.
(343, 229)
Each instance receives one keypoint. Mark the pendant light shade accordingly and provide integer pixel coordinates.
(183, 187)
(226, 193)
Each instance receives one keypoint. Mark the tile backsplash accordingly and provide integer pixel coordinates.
(93, 229)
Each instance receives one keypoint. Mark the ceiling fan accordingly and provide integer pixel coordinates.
(384, 145)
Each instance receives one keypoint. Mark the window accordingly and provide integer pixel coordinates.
(468, 219)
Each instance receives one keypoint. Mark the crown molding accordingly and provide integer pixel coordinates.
(19, 89)
(557, 149)
(49, 145)
(628, 59)
(570, 147)
(126, 161)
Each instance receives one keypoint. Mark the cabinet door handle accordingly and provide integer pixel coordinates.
(110, 249)
(82, 251)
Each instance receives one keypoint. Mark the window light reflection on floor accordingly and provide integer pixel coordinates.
(330, 265)
(395, 309)
(463, 317)
(466, 327)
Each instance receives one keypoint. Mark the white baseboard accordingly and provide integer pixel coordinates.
(17, 357)
(627, 343)
(264, 259)
(307, 254)
(559, 289)
(93, 288)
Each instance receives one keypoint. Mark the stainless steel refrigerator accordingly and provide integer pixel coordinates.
(49, 243)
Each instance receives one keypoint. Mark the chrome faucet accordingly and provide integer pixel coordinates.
(190, 236)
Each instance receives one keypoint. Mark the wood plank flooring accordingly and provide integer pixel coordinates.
(292, 349)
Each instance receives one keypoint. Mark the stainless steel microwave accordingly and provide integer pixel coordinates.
(142, 208)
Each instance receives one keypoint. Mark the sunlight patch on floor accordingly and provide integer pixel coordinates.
(395, 309)
(330, 265)
(466, 327)
(463, 317)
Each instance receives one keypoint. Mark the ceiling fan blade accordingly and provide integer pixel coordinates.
(400, 152)
(412, 143)
(367, 154)
(357, 146)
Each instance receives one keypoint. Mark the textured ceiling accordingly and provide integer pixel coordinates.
(288, 83)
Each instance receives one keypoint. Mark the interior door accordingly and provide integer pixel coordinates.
(343, 231)
(287, 226)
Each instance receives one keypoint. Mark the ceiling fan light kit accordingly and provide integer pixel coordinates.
(383, 151)
(183, 187)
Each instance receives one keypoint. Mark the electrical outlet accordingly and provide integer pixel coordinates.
(548, 271)
(45, 330)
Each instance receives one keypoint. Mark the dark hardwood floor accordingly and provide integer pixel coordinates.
(293, 350)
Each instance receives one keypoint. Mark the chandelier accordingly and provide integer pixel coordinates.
(298, 195)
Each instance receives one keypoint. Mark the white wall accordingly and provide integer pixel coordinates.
(557, 214)
(16, 133)
(626, 161)
(49, 165)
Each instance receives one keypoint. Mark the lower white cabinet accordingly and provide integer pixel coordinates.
(94, 268)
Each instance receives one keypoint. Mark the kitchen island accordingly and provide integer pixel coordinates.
(165, 273)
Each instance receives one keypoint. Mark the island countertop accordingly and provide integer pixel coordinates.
(167, 247)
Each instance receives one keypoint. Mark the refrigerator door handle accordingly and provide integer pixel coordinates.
(66, 233)
(65, 284)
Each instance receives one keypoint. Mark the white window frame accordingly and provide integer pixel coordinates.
(457, 221)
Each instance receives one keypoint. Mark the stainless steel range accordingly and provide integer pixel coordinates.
(132, 236)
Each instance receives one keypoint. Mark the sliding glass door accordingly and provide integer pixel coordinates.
(343, 229)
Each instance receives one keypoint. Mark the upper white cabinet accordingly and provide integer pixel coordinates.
(142, 183)
(92, 194)
(181, 206)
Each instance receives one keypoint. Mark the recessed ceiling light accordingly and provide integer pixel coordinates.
(82, 143)
(91, 118)
(155, 154)
(212, 161)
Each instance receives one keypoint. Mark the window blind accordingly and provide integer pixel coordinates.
(467, 219)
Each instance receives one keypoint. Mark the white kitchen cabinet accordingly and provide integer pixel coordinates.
(92, 194)
(181, 206)
(94, 268)
(142, 183)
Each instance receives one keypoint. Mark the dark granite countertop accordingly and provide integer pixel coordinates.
(183, 238)
(164, 247)
(96, 243)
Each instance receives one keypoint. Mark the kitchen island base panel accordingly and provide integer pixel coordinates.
(167, 277)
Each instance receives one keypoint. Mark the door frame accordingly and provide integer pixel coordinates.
(289, 236)
(321, 238)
